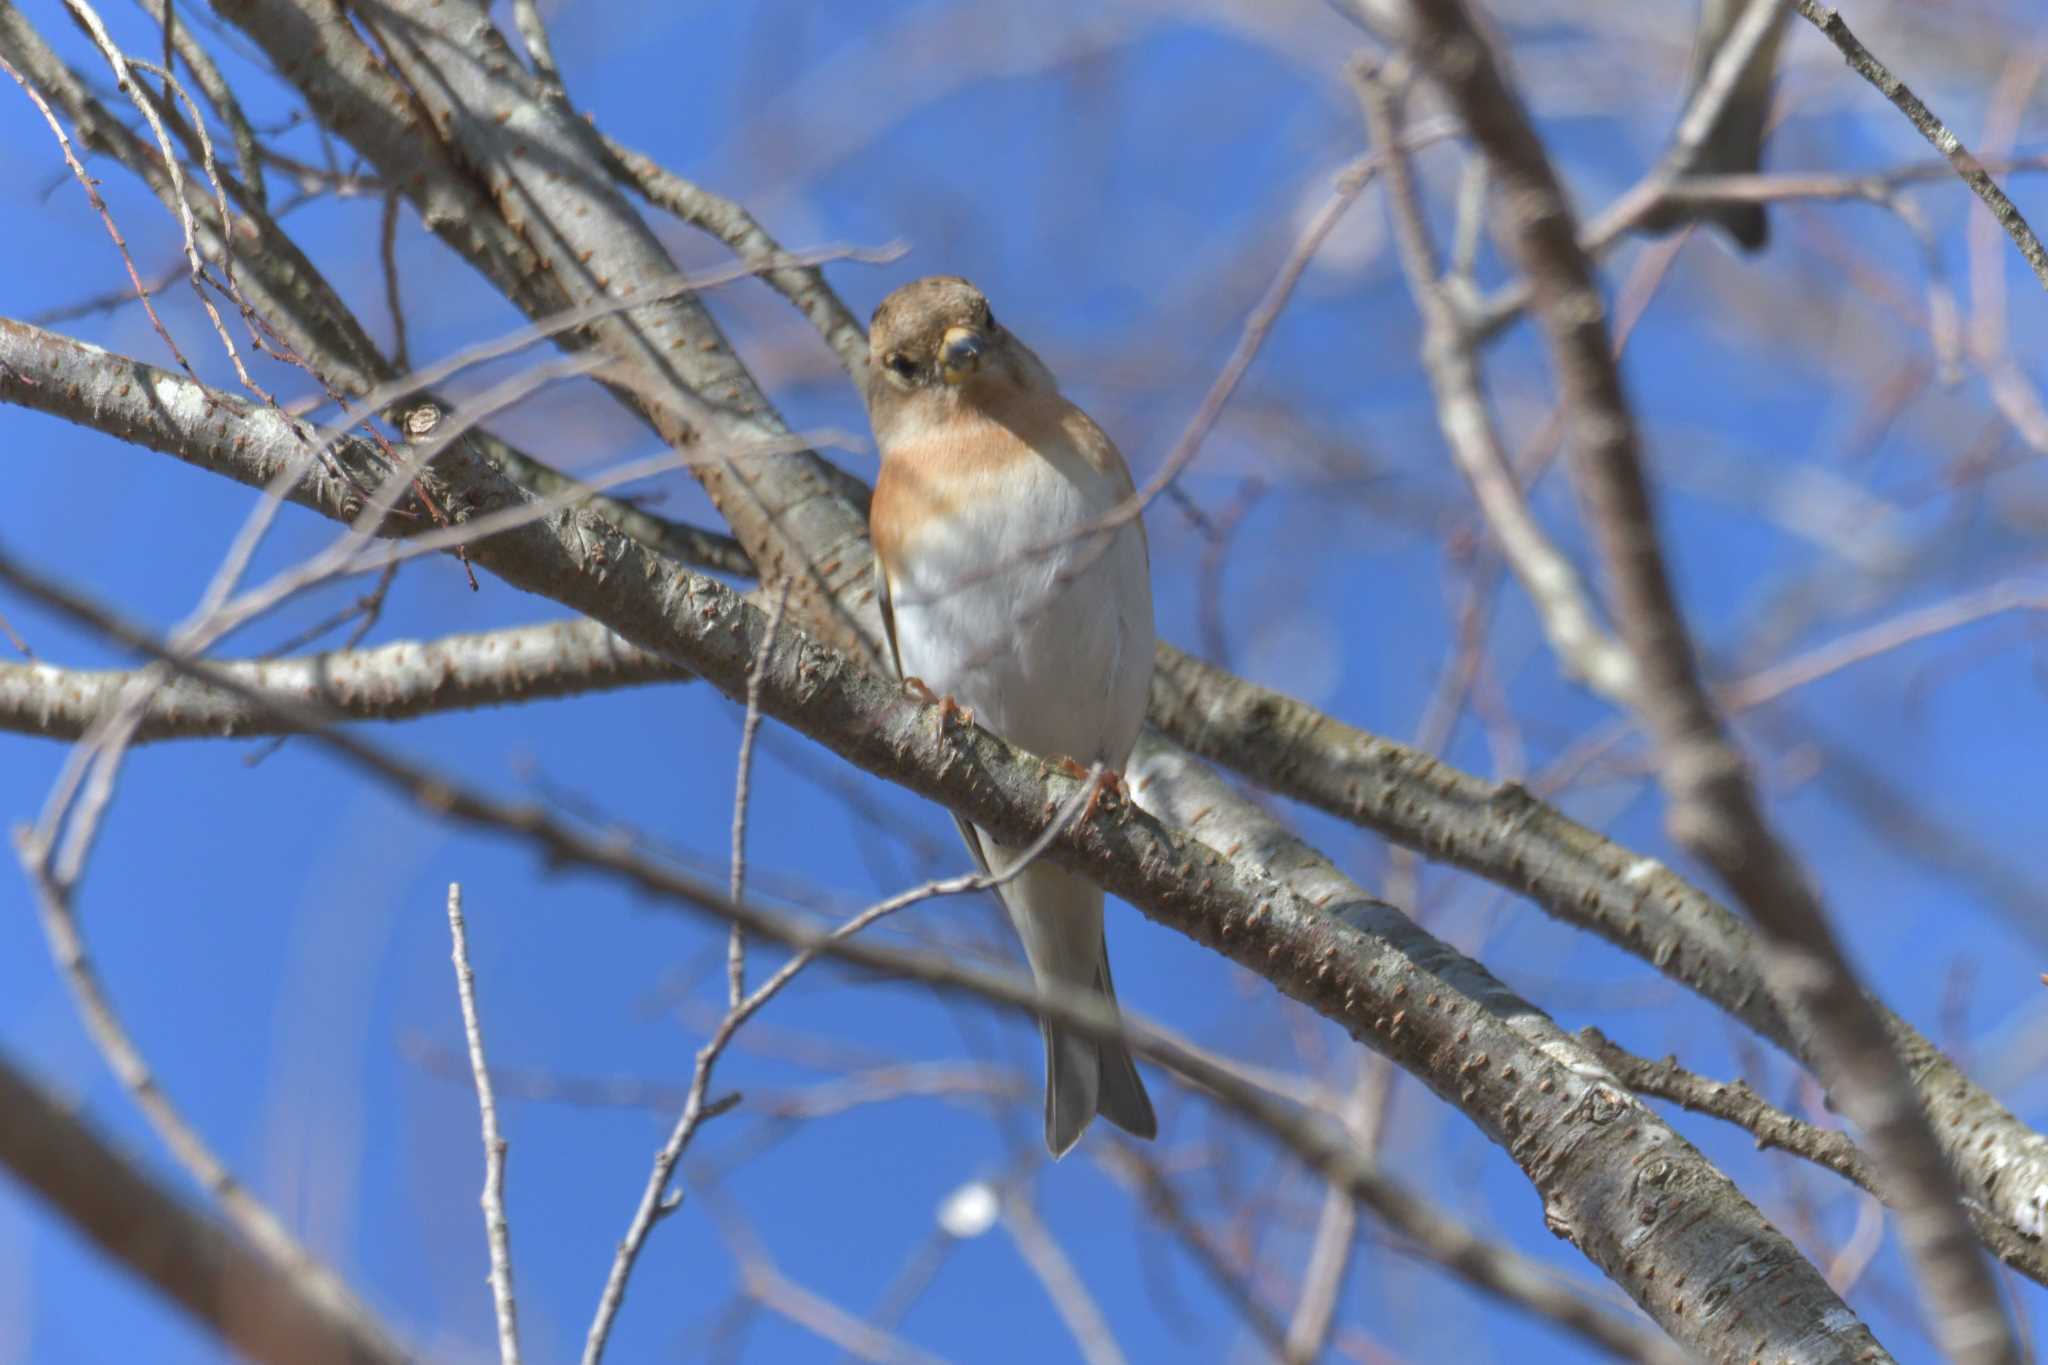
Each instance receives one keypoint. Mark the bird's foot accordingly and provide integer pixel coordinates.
(951, 712)
(1108, 783)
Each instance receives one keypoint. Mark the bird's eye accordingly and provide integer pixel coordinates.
(900, 363)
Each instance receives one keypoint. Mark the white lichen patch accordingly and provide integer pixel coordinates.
(182, 399)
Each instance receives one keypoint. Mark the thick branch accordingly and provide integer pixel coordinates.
(247, 1300)
(391, 682)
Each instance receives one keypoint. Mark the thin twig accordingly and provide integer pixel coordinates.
(394, 300)
(14, 638)
(496, 1230)
(1584, 649)
(92, 193)
(736, 945)
(655, 1203)
(532, 32)
(1934, 130)
(1737, 1103)
(1859, 646)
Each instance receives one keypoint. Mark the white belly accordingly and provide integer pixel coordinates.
(1053, 650)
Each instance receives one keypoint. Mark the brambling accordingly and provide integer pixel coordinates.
(1004, 589)
(1735, 144)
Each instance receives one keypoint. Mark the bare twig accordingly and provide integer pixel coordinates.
(655, 1202)
(802, 284)
(221, 95)
(1934, 130)
(92, 193)
(394, 300)
(736, 946)
(13, 637)
(1735, 1102)
(496, 1230)
(1583, 647)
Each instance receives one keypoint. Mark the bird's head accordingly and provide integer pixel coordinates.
(934, 344)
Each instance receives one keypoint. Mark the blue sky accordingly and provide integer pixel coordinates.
(1122, 183)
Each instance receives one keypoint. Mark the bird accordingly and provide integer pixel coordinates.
(1734, 145)
(1013, 578)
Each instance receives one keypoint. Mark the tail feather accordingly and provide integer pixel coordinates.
(1072, 1086)
(1084, 1078)
(1120, 1095)
(1734, 145)
(1058, 915)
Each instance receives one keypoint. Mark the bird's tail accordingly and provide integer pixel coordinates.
(1734, 145)
(1058, 915)
(1084, 1078)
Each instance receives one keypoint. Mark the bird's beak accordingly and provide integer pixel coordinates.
(960, 354)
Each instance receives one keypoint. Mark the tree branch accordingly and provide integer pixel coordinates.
(390, 682)
(1934, 130)
(247, 1300)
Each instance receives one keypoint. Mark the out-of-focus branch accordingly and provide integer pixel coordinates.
(730, 223)
(1063, 1284)
(1714, 807)
(259, 1309)
(1583, 647)
(1934, 130)
(1139, 1171)
(266, 1235)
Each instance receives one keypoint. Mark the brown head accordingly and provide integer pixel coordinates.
(934, 345)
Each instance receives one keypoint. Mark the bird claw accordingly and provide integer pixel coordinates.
(951, 712)
(1107, 783)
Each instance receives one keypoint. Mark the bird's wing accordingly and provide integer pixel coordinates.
(888, 614)
(969, 835)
